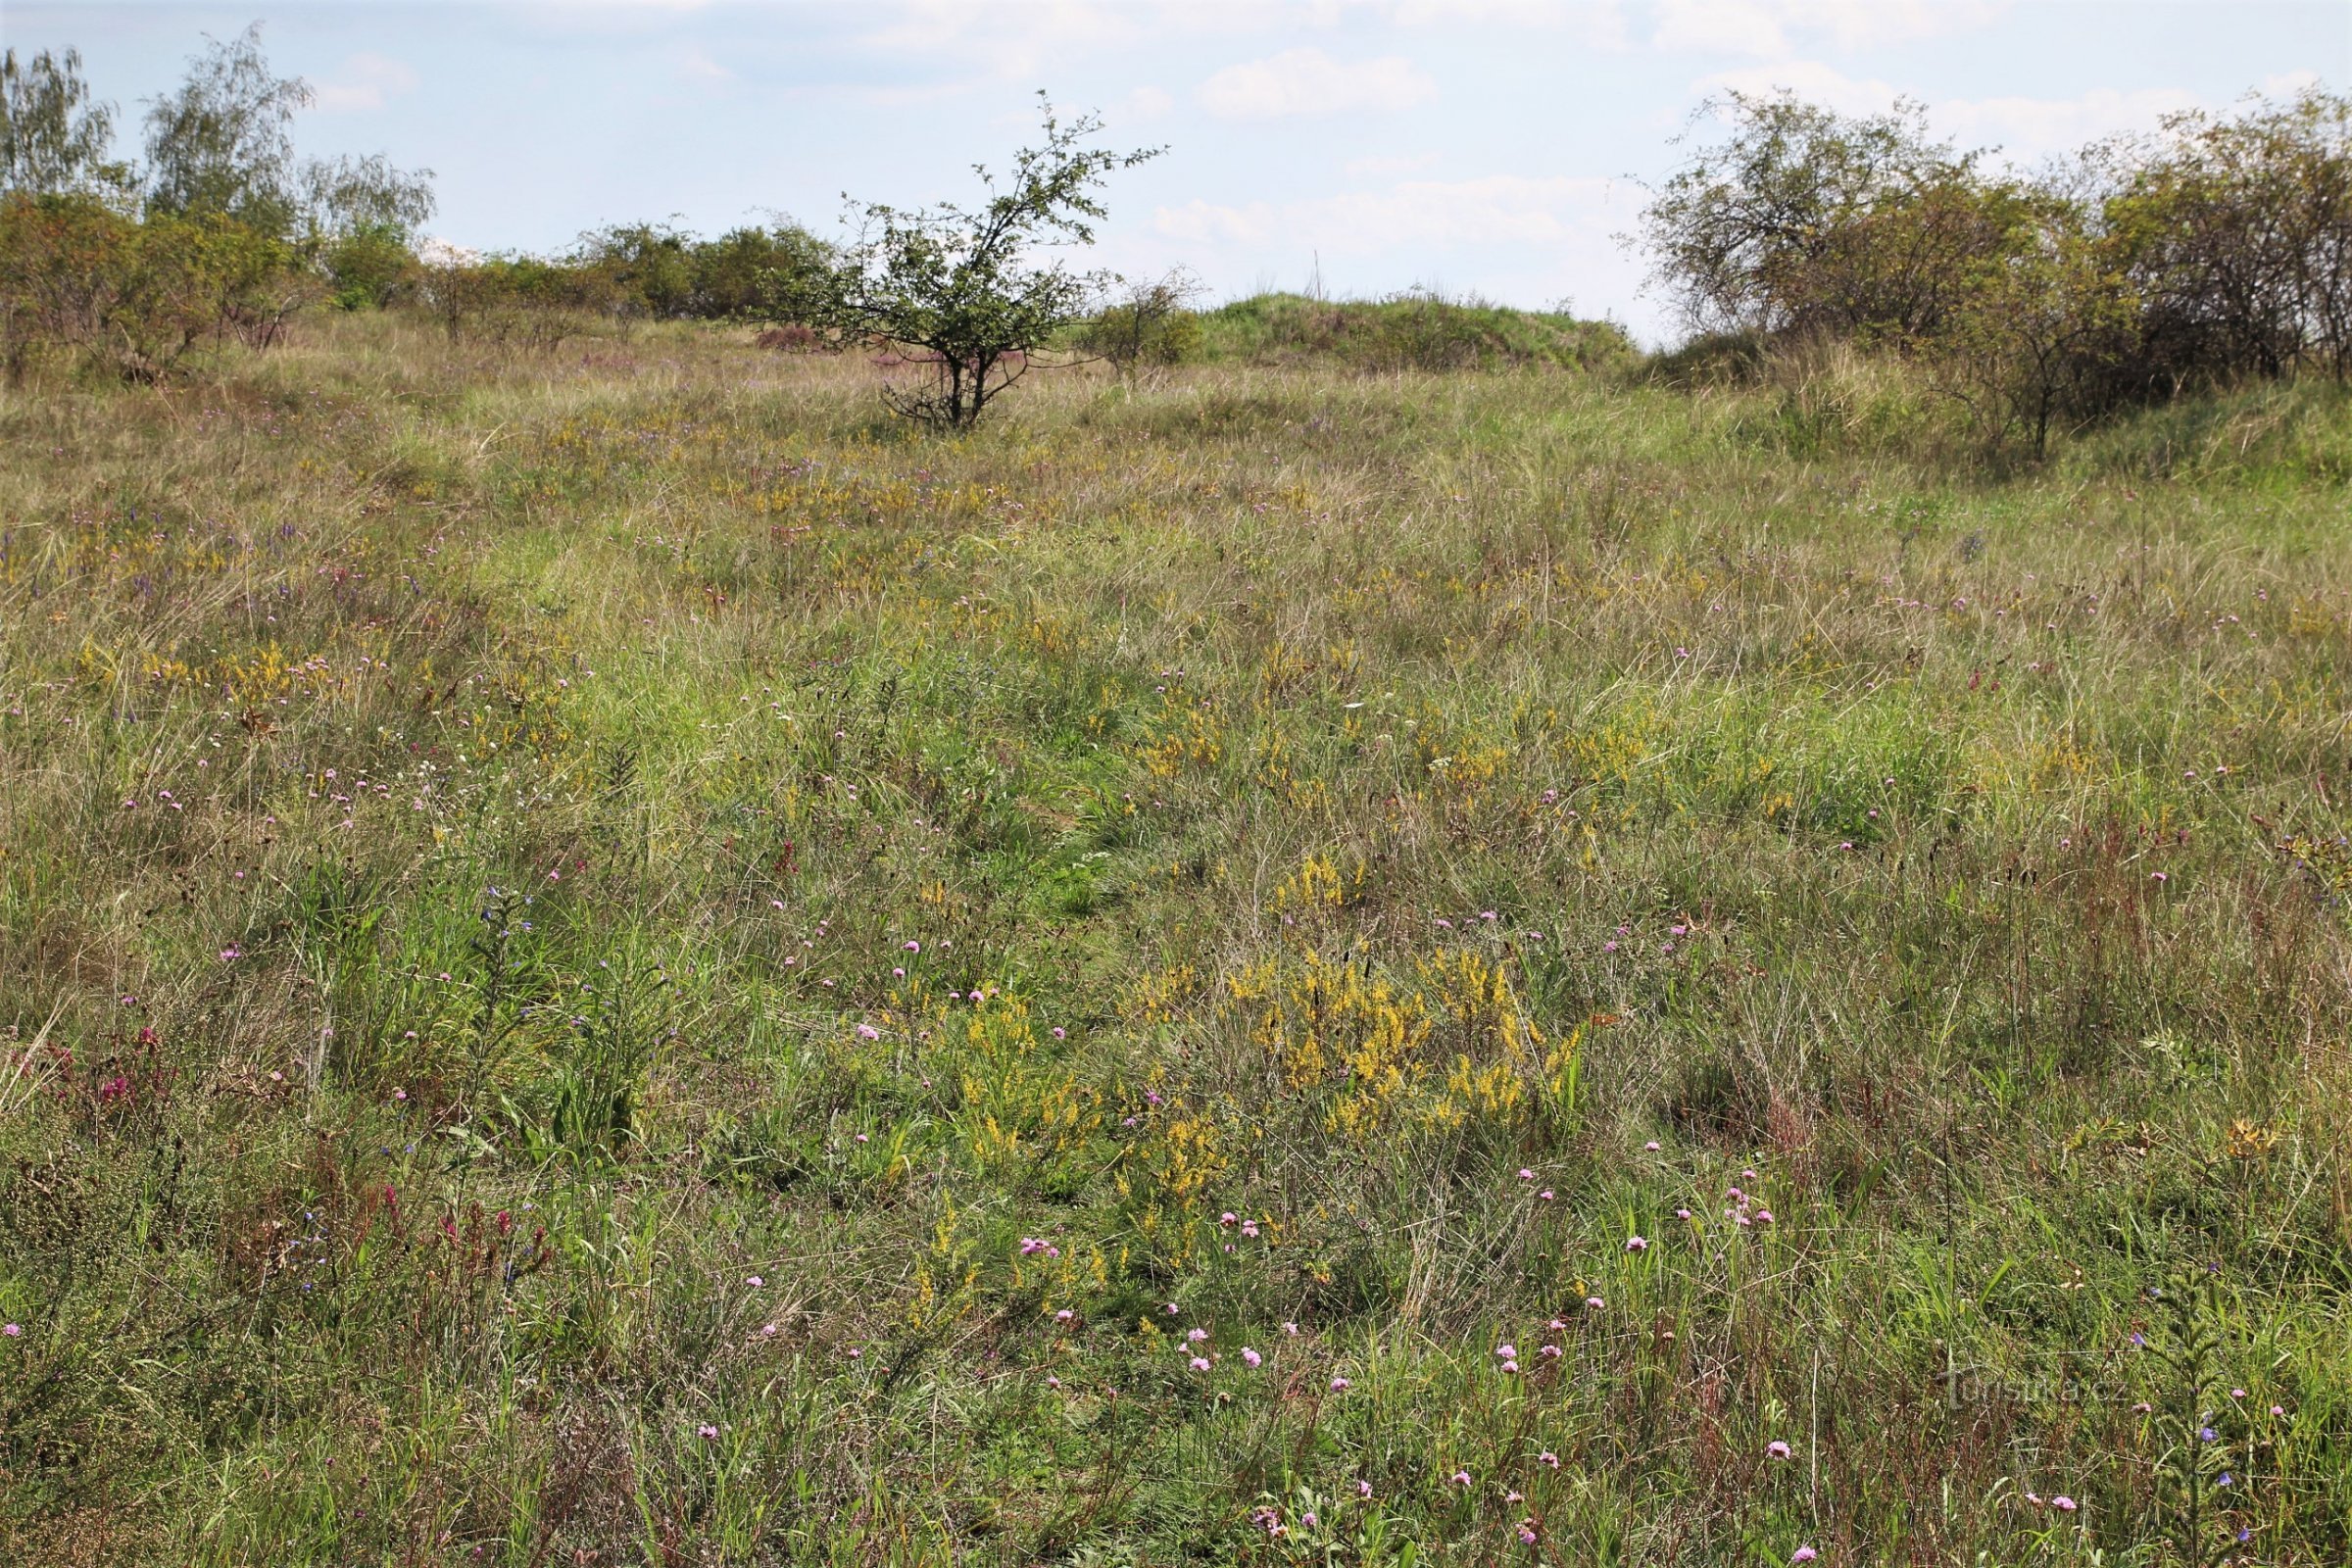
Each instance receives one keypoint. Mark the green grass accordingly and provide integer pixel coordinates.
(498, 852)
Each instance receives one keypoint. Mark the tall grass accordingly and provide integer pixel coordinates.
(612, 958)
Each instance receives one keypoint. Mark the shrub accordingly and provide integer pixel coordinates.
(1151, 323)
(134, 297)
(521, 300)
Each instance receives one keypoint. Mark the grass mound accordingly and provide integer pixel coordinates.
(1411, 332)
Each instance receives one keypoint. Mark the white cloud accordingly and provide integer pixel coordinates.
(364, 82)
(1815, 81)
(2023, 129)
(1599, 23)
(2026, 129)
(1414, 215)
(1389, 166)
(1019, 40)
(1772, 29)
(1142, 102)
(1308, 81)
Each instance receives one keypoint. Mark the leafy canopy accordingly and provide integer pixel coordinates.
(960, 288)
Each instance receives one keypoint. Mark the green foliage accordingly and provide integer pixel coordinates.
(962, 286)
(667, 273)
(135, 297)
(368, 267)
(54, 139)
(525, 301)
(223, 141)
(2210, 251)
(1152, 324)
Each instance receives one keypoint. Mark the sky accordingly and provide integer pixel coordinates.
(1490, 147)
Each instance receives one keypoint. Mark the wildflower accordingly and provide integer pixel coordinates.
(1775, 1450)
(2224, 1479)
(1053, 1382)
(1803, 1554)
(1065, 1315)
(767, 1331)
(2237, 1394)
(855, 1353)
(1291, 1329)
(1681, 1214)
(1308, 1519)
(1170, 1310)
(1229, 1217)
(2064, 1503)
(2278, 1410)
(1551, 1352)
(2207, 1434)
(1650, 1147)
(1195, 1336)
(914, 946)
(1594, 1303)
(1060, 1033)
(1200, 1363)
(1636, 1243)
(1545, 1195)
(1511, 1369)
(707, 1433)
(1461, 1478)
(1251, 1357)
(866, 1031)
(1341, 1385)
(1505, 1350)
(1526, 1175)
(754, 1281)
(15, 1331)
(1249, 1229)
(1527, 1535)
(1549, 1459)
(1512, 1496)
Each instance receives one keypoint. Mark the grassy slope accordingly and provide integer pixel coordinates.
(1411, 332)
(463, 825)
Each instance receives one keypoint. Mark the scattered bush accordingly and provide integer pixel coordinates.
(1152, 324)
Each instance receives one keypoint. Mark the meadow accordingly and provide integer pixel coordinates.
(608, 957)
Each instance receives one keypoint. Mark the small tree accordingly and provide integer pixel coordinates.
(957, 289)
(53, 138)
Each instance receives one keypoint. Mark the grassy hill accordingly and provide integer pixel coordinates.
(610, 959)
(1413, 332)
